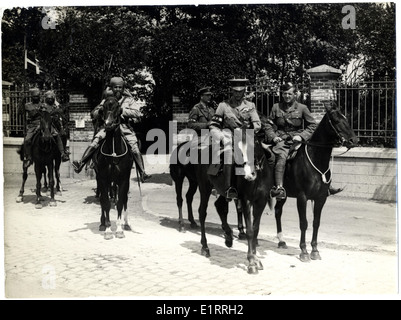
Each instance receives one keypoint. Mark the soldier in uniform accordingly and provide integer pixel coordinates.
(289, 121)
(129, 111)
(55, 110)
(30, 112)
(201, 114)
(234, 113)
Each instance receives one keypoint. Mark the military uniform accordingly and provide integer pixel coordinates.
(130, 111)
(286, 122)
(233, 114)
(199, 117)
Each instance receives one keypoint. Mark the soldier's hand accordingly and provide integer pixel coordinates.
(277, 140)
(297, 139)
(233, 123)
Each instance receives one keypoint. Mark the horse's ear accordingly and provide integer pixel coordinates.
(330, 105)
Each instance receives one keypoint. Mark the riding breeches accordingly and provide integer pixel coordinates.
(281, 151)
(127, 133)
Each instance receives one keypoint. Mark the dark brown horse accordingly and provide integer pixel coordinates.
(253, 195)
(178, 173)
(308, 175)
(113, 166)
(44, 156)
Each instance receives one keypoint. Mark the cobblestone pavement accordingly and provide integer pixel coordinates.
(59, 252)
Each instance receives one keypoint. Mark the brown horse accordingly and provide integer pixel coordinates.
(113, 167)
(253, 195)
(308, 176)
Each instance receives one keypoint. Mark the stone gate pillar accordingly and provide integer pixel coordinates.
(322, 80)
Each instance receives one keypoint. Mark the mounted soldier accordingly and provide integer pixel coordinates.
(290, 123)
(130, 111)
(31, 114)
(234, 113)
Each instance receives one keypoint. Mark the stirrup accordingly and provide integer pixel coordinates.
(231, 193)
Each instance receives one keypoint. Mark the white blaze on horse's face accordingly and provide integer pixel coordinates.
(249, 173)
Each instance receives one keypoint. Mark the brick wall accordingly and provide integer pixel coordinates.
(81, 128)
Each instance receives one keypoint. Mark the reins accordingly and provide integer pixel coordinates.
(114, 155)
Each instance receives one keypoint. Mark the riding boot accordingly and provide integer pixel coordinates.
(140, 165)
(79, 165)
(278, 191)
(230, 192)
(64, 155)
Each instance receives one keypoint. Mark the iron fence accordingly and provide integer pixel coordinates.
(370, 107)
(13, 122)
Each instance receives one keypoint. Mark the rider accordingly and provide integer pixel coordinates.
(53, 108)
(129, 111)
(289, 122)
(232, 114)
(30, 112)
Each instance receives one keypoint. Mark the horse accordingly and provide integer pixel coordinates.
(308, 176)
(56, 166)
(44, 153)
(253, 195)
(113, 162)
(180, 171)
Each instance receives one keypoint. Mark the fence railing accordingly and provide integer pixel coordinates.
(13, 125)
(370, 108)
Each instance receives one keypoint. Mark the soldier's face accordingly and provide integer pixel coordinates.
(238, 95)
(206, 98)
(289, 95)
(117, 91)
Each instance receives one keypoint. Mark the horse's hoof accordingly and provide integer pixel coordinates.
(194, 225)
(259, 265)
(38, 206)
(304, 257)
(53, 204)
(127, 227)
(229, 240)
(205, 252)
(253, 269)
(120, 235)
(102, 228)
(315, 255)
(242, 236)
(19, 199)
(108, 236)
(181, 228)
(282, 245)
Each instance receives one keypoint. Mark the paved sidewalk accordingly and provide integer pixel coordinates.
(59, 252)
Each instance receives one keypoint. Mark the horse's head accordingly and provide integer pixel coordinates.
(341, 129)
(45, 125)
(111, 113)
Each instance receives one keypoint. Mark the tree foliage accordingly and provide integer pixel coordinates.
(187, 47)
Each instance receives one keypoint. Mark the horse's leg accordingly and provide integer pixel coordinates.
(178, 182)
(222, 209)
(317, 211)
(204, 199)
(57, 175)
(193, 185)
(258, 208)
(122, 205)
(22, 190)
(303, 225)
(51, 184)
(246, 209)
(38, 173)
(241, 234)
(105, 211)
(278, 211)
